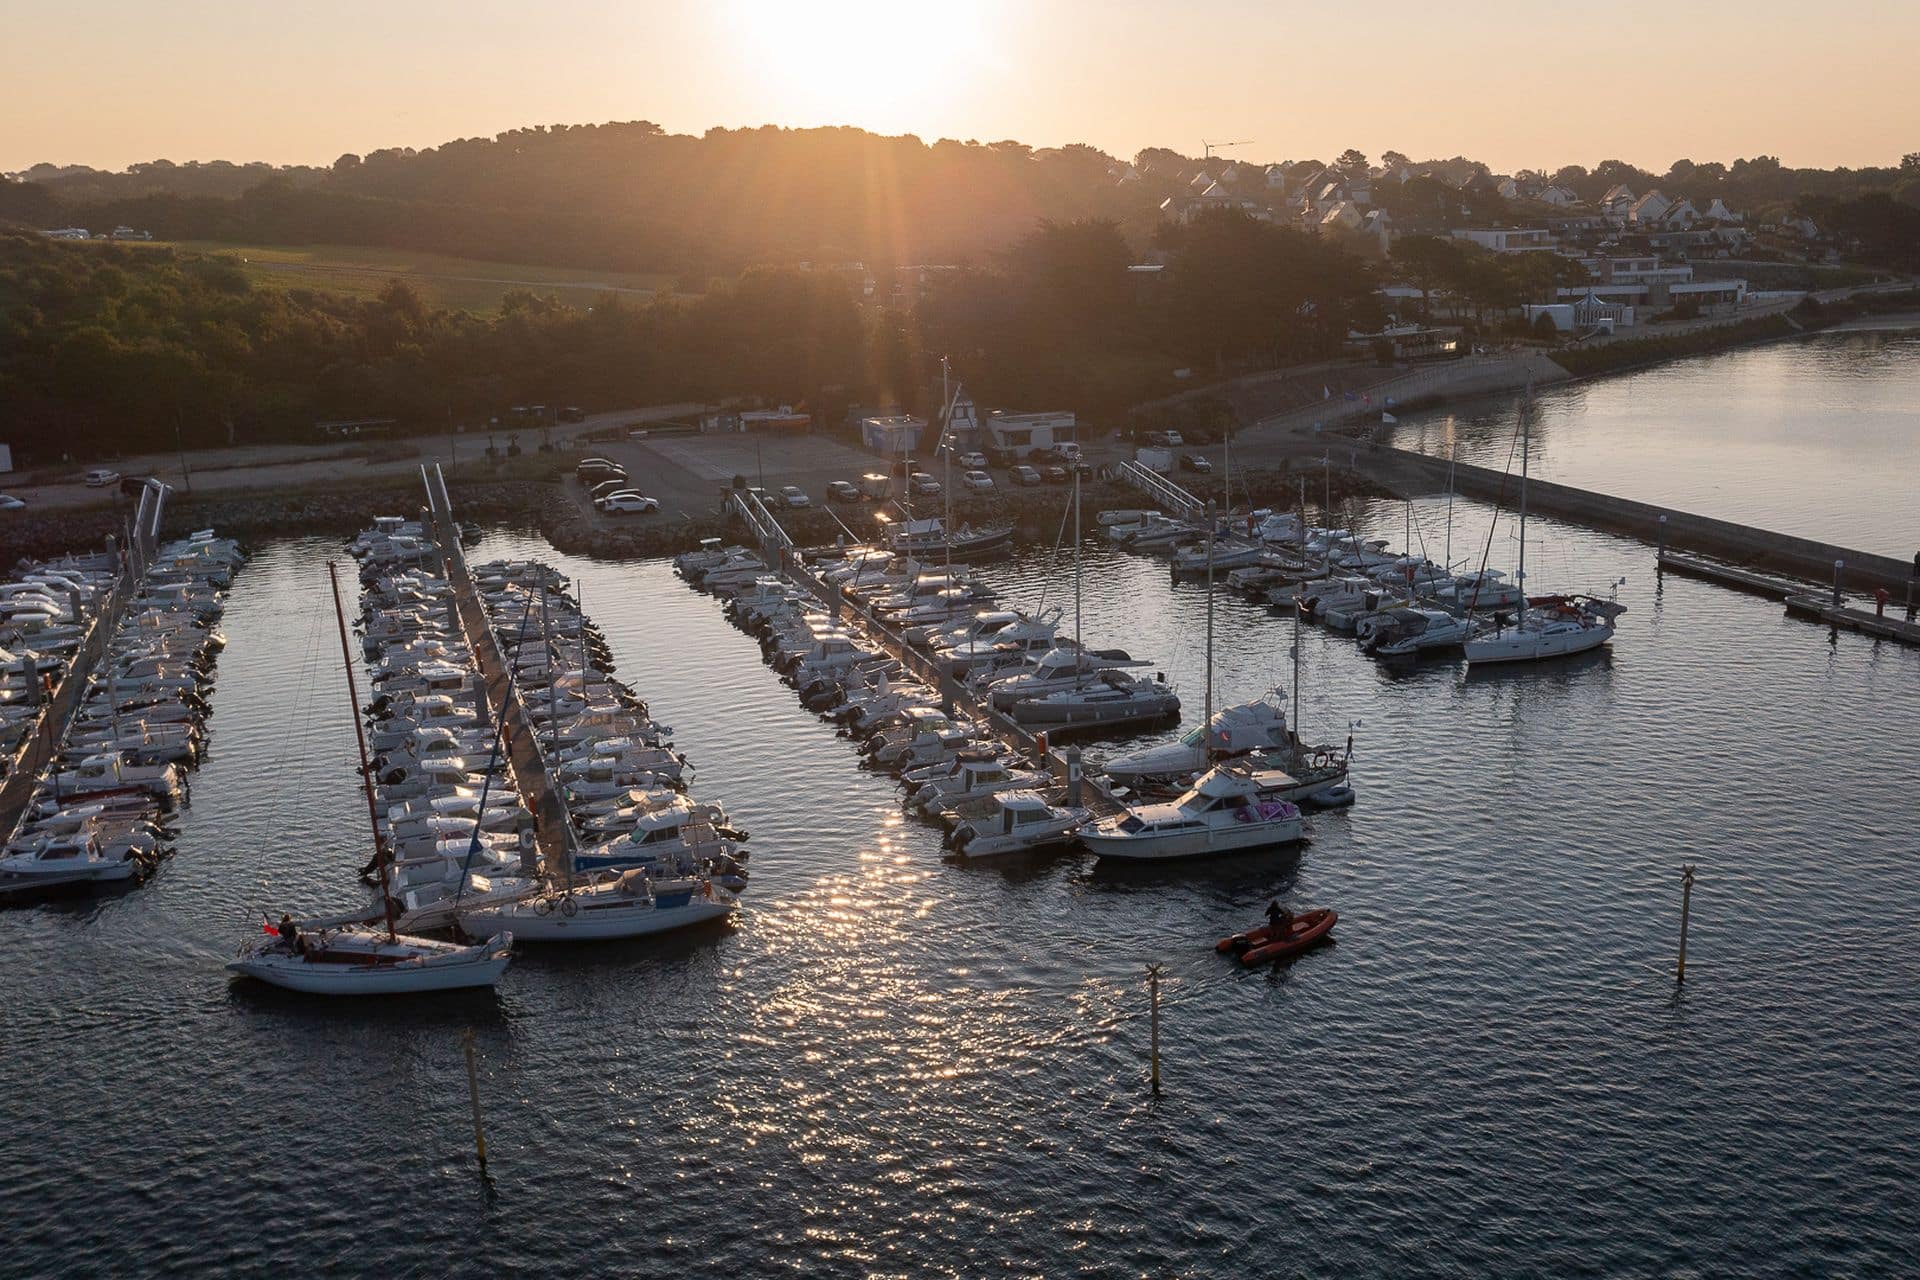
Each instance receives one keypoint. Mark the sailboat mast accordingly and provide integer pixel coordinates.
(1295, 713)
(946, 441)
(1526, 448)
(1076, 558)
(1449, 552)
(360, 736)
(1206, 723)
(553, 674)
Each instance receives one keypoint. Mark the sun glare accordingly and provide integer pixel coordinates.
(864, 62)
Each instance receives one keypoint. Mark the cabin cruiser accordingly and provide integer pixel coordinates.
(1016, 822)
(1228, 553)
(623, 904)
(1231, 807)
(1057, 669)
(1152, 532)
(1400, 631)
(965, 780)
(58, 861)
(1484, 591)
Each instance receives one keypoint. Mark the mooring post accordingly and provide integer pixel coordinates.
(1153, 1052)
(1838, 565)
(1660, 560)
(473, 1099)
(1073, 776)
(1686, 911)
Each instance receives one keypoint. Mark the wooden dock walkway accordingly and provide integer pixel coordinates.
(1772, 586)
(1822, 609)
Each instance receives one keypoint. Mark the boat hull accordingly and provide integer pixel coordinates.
(1531, 646)
(1199, 843)
(598, 924)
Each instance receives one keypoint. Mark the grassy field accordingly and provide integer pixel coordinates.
(461, 283)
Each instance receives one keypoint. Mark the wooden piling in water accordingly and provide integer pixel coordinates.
(1153, 1051)
(1686, 912)
(473, 1100)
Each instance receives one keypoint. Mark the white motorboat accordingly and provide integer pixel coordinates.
(357, 959)
(1016, 822)
(1232, 807)
(1228, 553)
(1233, 731)
(628, 904)
(1058, 669)
(968, 780)
(1481, 592)
(1397, 632)
(59, 860)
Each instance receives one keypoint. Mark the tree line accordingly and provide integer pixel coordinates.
(107, 348)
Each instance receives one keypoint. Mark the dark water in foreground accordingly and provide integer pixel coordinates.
(1818, 437)
(891, 1065)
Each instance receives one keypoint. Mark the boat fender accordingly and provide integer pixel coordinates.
(568, 907)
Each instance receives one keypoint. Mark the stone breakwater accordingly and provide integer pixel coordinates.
(550, 507)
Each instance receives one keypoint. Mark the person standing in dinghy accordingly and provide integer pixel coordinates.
(1279, 920)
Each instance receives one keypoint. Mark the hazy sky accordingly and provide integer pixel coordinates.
(1540, 83)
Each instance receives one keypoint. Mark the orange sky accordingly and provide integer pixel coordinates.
(1515, 84)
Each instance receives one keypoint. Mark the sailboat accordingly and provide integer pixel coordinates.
(351, 957)
(1548, 627)
(1103, 697)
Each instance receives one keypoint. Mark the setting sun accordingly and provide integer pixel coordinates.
(864, 62)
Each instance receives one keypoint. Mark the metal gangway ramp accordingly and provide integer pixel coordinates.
(773, 540)
(1167, 495)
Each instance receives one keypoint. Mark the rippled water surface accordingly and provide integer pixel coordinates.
(892, 1065)
(1818, 437)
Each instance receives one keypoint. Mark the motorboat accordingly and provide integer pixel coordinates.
(56, 861)
(1397, 632)
(966, 780)
(1016, 822)
(1231, 807)
(627, 904)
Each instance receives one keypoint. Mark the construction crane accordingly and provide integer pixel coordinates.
(1208, 148)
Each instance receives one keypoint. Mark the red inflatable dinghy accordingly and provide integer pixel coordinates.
(1257, 946)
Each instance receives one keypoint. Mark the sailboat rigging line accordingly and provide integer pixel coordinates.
(1059, 537)
(493, 758)
(366, 771)
(1487, 553)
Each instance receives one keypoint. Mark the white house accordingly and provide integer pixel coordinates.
(1276, 177)
(1508, 239)
(1649, 208)
(1200, 182)
(1618, 202)
(1717, 211)
(1344, 213)
(1558, 196)
(1680, 215)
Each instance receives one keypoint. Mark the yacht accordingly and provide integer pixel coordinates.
(1551, 627)
(1111, 697)
(357, 959)
(1400, 631)
(1232, 807)
(1016, 822)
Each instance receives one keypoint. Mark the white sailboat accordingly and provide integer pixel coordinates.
(349, 958)
(1551, 627)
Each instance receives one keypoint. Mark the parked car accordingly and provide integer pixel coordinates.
(606, 487)
(974, 461)
(842, 491)
(1024, 474)
(627, 502)
(794, 497)
(1195, 462)
(10, 503)
(572, 413)
(1055, 475)
(1041, 455)
(1163, 440)
(924, 485)
(977, 481)
(100, 478)
(1069, 451)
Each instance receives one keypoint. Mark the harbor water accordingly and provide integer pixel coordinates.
(1817, 437)
(894, 1065)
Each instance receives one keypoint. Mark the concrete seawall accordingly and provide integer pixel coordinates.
(1409, 473)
